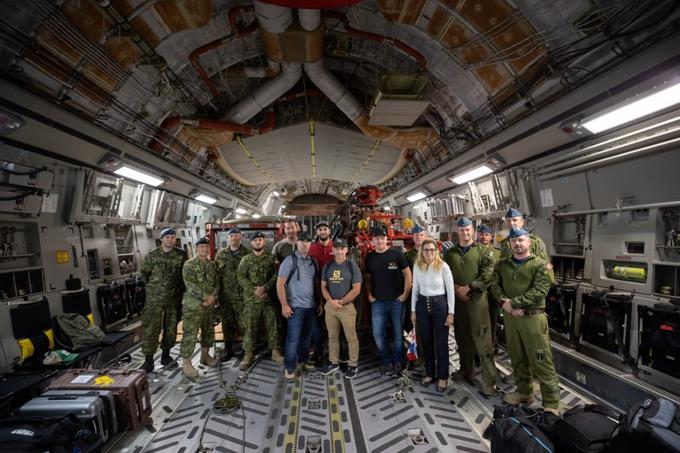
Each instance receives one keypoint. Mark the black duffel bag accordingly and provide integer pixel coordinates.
(515, 430)
(652, 425)
(54, 435)
(585, 429)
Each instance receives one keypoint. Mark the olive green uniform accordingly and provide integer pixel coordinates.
(257, 271)
(471, 323)
(162, 275)
(200, 279)
(538, 249)
(411, 256)
(494, 307)
(231, 296)
(528, 341)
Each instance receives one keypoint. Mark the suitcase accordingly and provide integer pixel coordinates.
(90, 408)
(41, 435)
(106, 395)
(130, 389)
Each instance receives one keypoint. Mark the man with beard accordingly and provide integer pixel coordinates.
(514, 218)
(231, 297)
(286, 246)
(472, 267)
(520, 283)
(257, 276)
(322, 251)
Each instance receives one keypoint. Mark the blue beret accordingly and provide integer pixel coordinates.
(166, 231)
(203, 240)
(234, 231)
(484, 229)
(517, 232)
(417, 229)
(258, 234)
(512, 212)
(463, 222)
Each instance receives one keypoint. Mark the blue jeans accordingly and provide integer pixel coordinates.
(380, 312)
(297, 337)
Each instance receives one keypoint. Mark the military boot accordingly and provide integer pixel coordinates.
(277, 356)
(188, 369)
(247, 361)
(206, 359)
(148, 364)
(167, 360)
(228, 352)
(516, 398)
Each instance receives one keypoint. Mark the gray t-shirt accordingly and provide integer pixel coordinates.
(340, 277)
(300, 288)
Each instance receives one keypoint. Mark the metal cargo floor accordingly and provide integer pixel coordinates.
(357, 415)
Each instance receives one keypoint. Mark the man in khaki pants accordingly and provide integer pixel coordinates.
(340, 285)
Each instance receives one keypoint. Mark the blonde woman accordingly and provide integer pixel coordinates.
(432, 306)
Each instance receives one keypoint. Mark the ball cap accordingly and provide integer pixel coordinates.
(378, 231)
(305, 237)
(339, 242)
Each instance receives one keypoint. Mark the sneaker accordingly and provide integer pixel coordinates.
(290, 376)
(351, 372)
(552, 410)
(516, 398)
(386, 370)
(309, 366)
(329, 369)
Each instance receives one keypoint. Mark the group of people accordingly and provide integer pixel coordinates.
(305, 285)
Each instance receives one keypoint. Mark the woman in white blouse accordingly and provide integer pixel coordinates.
(432, 306)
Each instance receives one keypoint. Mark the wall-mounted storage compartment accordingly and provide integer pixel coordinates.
(569, 235)
(605, 322)
(21, 272)
(667, 280)
(560, 305)
(568, 268)
(627, 271)
(668, 235)
(660, 338)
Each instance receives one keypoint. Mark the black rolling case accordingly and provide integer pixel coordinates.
(40, 435)
(94, 409)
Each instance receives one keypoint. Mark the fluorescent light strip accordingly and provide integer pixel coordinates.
(473, 174)
(256, 216)
(635, 132)
(416, 196)
(139, 176)
(240, 211)
(276, 194)
(638, 109)
(205, 199)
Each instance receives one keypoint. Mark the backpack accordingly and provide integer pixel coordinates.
(72, 331)
(296, 271)
(515, 430)
(652, 425)
(586, 429)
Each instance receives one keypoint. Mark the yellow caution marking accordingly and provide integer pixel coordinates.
(312, 133)
(294, 415)
(336, 427)
(252, 158)
(365, 163)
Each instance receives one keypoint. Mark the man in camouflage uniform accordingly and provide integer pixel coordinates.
(419, 233)
(162, 275)
(485, 239)
(200, 278)
(520, 283)
(257, 276)
(472, 267)
(231, 298)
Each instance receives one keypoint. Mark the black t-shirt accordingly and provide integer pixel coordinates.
(387, 280)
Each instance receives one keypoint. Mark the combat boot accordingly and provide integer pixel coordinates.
(247, 361)
(516, 398)
(228, 352)
(148, 364)
(167, 360)
(277, 356)
(206, 359)
(188, 369)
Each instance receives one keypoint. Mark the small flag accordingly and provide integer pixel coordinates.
(412, 351)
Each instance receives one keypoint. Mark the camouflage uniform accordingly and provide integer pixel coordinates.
(231, 297)
(201, 281)
(471, 323)
(528, 341)
(411, 256)
(494, 307)
(257, 271)
(162, 275)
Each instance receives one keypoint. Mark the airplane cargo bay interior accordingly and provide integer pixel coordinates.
(340, 226)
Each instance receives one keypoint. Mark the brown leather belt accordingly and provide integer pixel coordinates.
(534, 311)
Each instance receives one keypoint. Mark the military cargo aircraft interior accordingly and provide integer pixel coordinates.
(340, 226)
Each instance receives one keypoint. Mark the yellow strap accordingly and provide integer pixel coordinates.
(26, 347)
(90, 318)
(49, 333)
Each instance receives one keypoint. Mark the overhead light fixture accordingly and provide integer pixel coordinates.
(256, 216)
(471, 175)
(139, 176)
(240, 211)
(205, 199)
(644, 106)
(276, 193)
(416, 196)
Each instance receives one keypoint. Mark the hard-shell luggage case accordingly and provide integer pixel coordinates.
(130, 388)
(41, 435)
(106, 395)
(90, 409)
